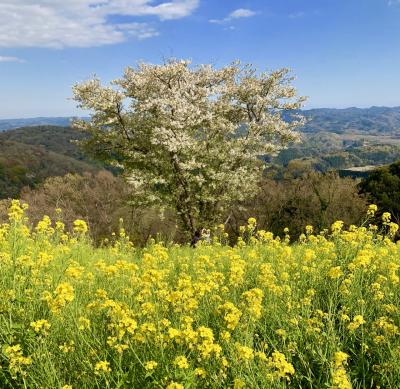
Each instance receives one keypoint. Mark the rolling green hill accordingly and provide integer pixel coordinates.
(29, 155)
(58, 139)
(374, 120)
(335, 139)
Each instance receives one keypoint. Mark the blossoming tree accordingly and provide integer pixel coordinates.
(190, 138)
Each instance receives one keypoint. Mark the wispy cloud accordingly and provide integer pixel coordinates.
(236, 14)
(11, 59)
(137, 30)
(297, 15)
(82, 23)
(241, 13)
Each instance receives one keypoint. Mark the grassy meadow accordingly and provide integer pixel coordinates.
(322, 312)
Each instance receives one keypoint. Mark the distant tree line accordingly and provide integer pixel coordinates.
(103, 199)
(382, 187)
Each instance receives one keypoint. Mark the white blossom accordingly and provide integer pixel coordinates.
(190, 137)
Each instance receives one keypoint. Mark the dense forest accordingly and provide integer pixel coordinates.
(29, 155)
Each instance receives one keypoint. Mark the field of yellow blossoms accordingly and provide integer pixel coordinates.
(322, 312)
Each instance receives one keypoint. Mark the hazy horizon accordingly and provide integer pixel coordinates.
(71, 116)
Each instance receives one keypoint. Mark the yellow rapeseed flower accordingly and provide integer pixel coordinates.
(200, 372)
(244, 352)
(150, 365)
(80, 226)
(175, 385)
(181, 362)
(102, 367)
(372, 208)
(357, 321)
(283, 368)
(41, 326)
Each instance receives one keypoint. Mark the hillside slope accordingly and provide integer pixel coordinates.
(29, 155)
(58, 139)
(373, 120)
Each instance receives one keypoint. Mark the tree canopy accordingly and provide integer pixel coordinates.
(383, 188)
(187, 137)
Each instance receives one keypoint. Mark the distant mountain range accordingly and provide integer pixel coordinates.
(372, 120)
(8, 124)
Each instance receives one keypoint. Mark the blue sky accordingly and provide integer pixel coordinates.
(343, 52)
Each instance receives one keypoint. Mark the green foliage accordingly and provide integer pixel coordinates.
(27, 165)
(383, 188)
(302, 197)
(29, 155)
(102, 200)
(60, 140)
(298, 198)
(330, 152)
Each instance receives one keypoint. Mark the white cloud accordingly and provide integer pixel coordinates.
(236, 14)
(11, 59)
(82, 23)
(241, 13)
(138, 30)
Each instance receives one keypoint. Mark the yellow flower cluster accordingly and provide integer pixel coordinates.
(358, 320)
(64, 294)
(253, 302)
(282, 368)
(181, 362)
(340, 379)
(150, 365)
(262, 313)
(231, 314)
(102, 367)
(41, 326)
(80, 226)
(17, 361)
(372, 208)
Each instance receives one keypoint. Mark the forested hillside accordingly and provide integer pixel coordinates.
(58, 139)
(29, 155)
(326, 151)
(343, 138)
(366, 120)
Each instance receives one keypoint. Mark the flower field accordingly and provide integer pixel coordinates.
(322, 312)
